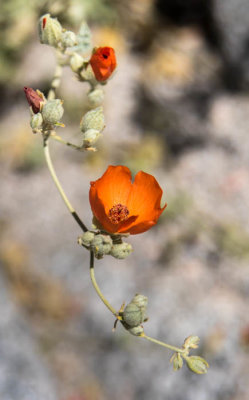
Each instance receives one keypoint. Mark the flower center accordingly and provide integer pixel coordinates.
(118, 213)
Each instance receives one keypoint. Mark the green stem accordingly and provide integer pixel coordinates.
(168, 346)
(59, 187)
(96, 286)
(59, 139)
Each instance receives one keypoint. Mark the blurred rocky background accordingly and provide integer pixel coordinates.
(177, 107)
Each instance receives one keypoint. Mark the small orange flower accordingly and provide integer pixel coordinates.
(121, 206)
(103, 63)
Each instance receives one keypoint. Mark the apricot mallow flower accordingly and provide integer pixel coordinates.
(121, 206)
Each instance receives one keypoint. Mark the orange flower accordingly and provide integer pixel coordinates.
(121, 206)
(103, 63)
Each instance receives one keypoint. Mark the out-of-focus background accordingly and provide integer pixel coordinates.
(177, 107)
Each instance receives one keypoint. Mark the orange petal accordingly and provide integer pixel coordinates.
(144, 200)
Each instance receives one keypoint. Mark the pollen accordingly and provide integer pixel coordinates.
(118, 213)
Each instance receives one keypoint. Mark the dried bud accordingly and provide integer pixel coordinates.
(90, 137)
(96, 97)
(101, 245)
(191, 342)
(121, 250)
(50, 30)
(76, 62)
(52, 111)
(34, 99)
(86, 239)
(68, 39)
(36, 122)
(197, 364)
(93, 119)
(177, 361)
(103, 63)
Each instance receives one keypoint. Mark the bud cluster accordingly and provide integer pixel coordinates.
(45, 114)
(103, 244)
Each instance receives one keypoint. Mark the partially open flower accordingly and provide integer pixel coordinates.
(121, 206)
(103, 63)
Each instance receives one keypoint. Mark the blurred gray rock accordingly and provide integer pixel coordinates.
(23, 376)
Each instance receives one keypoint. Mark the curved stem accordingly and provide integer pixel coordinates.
(168, 346)
(59, 187)
(96, 286)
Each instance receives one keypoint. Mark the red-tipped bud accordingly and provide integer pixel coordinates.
(103, 63)
(33, 99)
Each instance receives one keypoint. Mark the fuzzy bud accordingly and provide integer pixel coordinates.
(136, 331)
(197, 364)
(191, 342)
(134, 312)
(52, 111)
(101, 245)
(50, 30)
(96, 97)
(36, 122)
(68, 39)
(90, 137)
(87, 74)
(93, 119)
(121, 250)
(177, 361)
(86, 239)
(76, 62)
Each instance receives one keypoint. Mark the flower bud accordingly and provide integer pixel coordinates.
(177, 361)
(50, 30)
(191, 342)
(197, 364)
(86, 239)
(101, 245)
(36, 122)
(87, 74)
(93, 119)
(76, 62)
(103, 63)
(96, 97)
(68, 39)
(34, 99)
(121, 250)
(136, 331)
(90, 137)
(134, 313)
(52, 111)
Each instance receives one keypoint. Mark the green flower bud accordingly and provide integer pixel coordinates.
(93, 119)
(76, 62)
(101, 245)
(36, 122)
(50, 30)
(68, 39)
(121, 250)
(52, 111)
(177, 361)
(136, 331)
(191, 342)
(133, 315)
(87, 74)
(96, 97)
(90, 137)
(197, 364)
(86, 239)
(140, 300)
